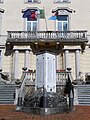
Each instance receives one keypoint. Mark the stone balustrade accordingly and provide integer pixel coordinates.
(61, 77)
(50, 35)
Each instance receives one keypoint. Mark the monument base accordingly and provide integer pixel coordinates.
(43, 103)
(43, 111)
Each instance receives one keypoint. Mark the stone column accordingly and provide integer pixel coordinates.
(66, 59)
(26, 60)
(77, 61)
(16, 64)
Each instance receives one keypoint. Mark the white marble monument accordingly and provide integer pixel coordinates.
(46, 72)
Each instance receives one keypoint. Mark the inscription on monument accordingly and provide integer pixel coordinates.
(46, 71)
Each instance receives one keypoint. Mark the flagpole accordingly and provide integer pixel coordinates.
(45, 19)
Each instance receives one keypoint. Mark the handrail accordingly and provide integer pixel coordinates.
(23, 79)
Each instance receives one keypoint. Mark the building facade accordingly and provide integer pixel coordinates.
(18, 19)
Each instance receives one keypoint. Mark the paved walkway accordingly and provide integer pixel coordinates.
(7, 112)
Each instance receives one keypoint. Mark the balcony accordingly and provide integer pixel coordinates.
(46, 40)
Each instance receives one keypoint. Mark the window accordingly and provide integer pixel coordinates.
(32, 1)
(61, 1)
(65, 0)
(32, 22)
(31, 17)
(62, 23)
(31, 26)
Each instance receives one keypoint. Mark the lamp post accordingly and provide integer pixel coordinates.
(0, 74)
(71, 91)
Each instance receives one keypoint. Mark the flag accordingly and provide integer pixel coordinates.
(54, 17)
(26, 13)
(68, 87)
(31, 15)
(42, 14)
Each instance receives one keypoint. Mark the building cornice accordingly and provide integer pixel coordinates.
(63, 8)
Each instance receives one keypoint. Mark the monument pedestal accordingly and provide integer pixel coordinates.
(44, 103)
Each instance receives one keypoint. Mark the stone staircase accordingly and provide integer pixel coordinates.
(7, 93)
(84, 94)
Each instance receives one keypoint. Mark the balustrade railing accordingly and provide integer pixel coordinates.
(61, 77)
(51, 35)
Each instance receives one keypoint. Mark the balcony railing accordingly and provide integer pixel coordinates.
(47, 35)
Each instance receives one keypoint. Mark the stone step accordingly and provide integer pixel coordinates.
(6, 93)
(84, 89)
(7, 102)
(8, 86)
(84, 103)
(84, 94)
(6, 96)
(84, 99)
(87, 102)
(84, 85)
(3, 85)
(6, 99)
